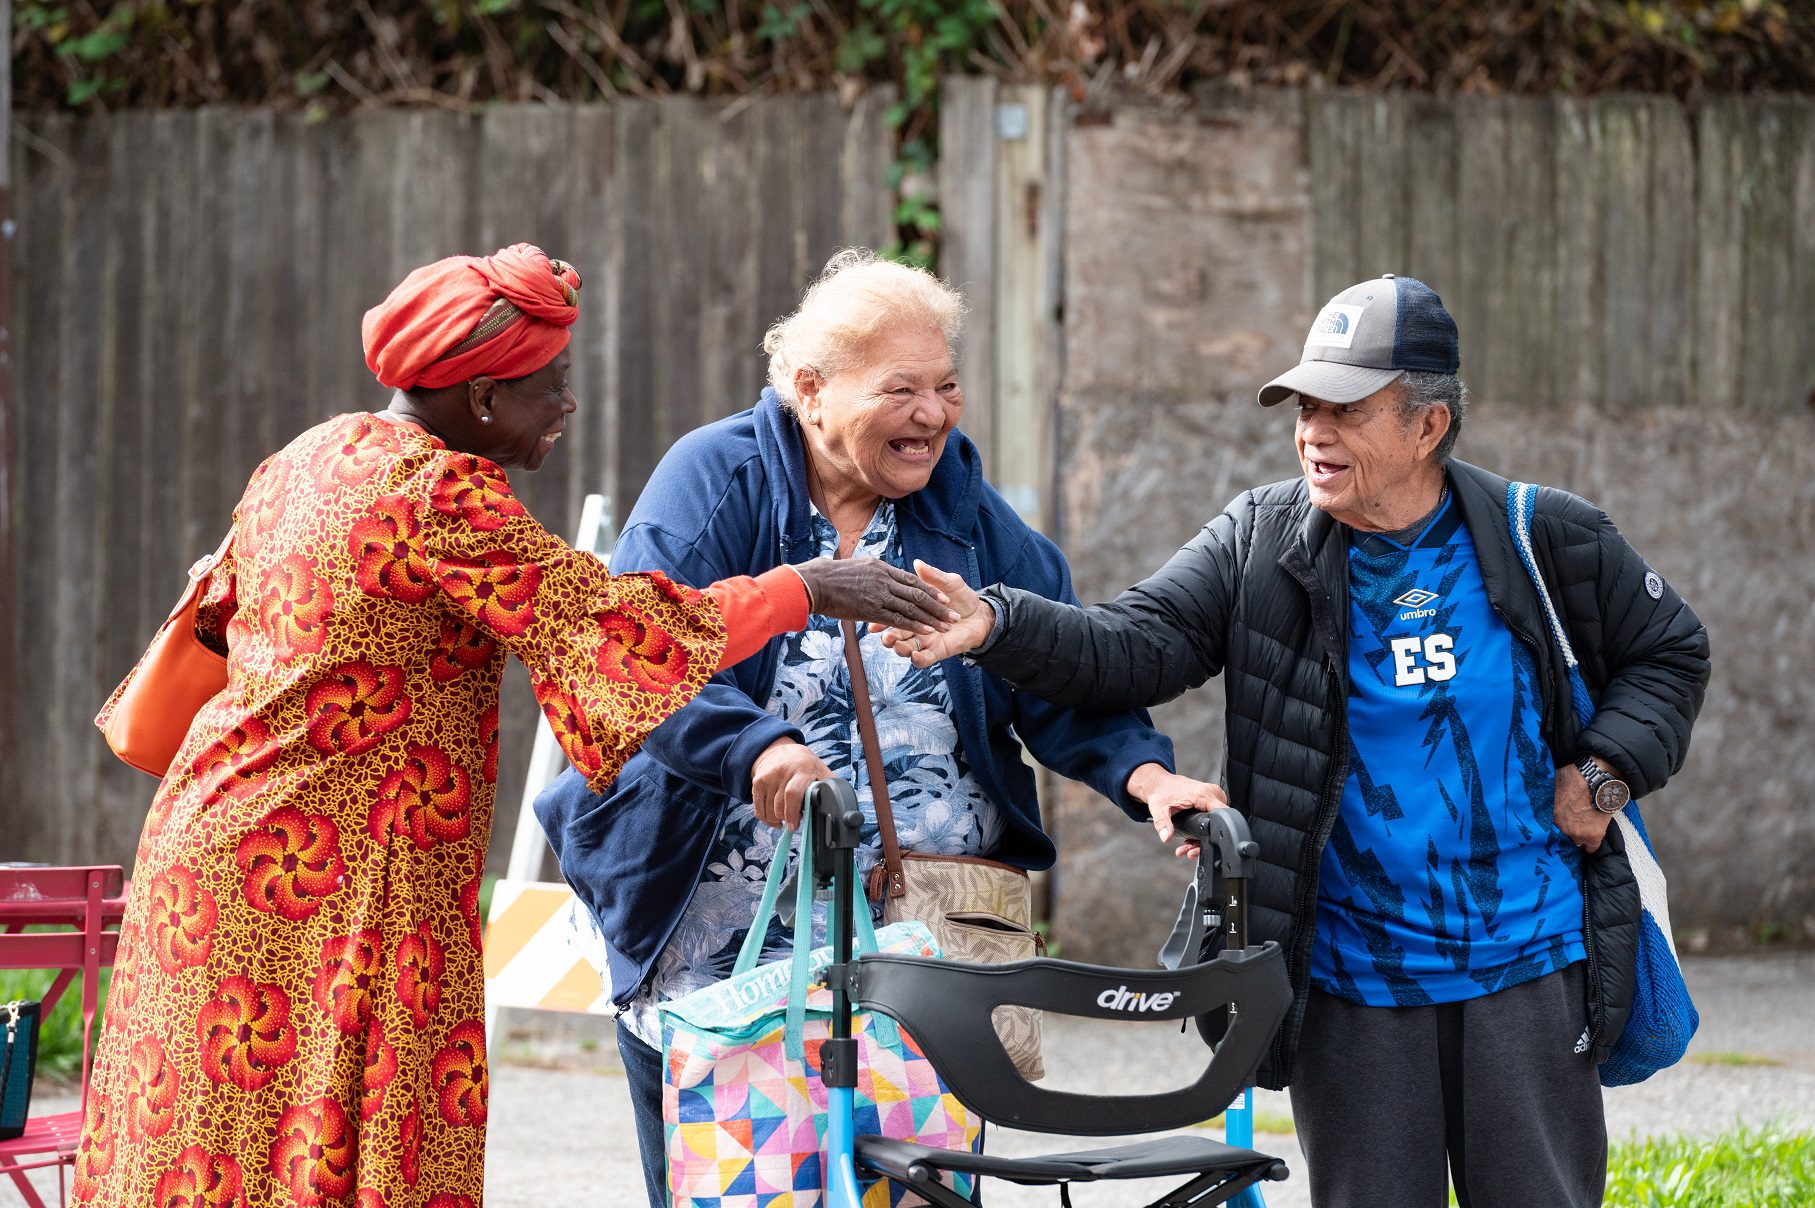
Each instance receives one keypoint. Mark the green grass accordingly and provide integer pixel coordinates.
(1732, 1059)
(60, 1036)
(1767, 1167)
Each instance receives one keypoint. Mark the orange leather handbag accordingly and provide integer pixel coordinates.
(148, 715)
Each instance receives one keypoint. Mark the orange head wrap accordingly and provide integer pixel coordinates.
(502, 316)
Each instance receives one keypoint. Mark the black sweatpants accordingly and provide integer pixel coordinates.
(1390, 1103)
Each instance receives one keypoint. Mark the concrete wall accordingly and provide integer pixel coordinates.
(1192, 267)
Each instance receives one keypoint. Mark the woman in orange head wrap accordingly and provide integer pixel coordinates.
(296, 1013)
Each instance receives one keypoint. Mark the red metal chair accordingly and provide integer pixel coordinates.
(82, 904)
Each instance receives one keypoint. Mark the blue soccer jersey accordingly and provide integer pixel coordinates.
(1445, 876)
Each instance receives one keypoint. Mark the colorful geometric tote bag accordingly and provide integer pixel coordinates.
(742, 1098)
(1663, 1018)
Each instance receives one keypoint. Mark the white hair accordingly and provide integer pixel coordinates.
(1421, 391)
(856, 296)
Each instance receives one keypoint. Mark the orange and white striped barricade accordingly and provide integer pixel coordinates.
(536, 953)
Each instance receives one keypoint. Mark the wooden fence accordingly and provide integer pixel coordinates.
(1621, 250)
(188, 290)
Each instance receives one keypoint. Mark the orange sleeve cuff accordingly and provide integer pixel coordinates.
(755, 610)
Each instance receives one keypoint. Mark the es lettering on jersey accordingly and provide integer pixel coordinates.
(1445, 876)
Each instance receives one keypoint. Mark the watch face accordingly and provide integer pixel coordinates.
(1612, 796)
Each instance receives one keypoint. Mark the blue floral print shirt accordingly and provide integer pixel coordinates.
(938, 807)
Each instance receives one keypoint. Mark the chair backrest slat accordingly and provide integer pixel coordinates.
(83, 902)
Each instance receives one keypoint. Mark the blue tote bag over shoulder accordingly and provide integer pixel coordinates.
(1663, 1018)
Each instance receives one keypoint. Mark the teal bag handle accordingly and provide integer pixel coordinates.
(751, 952)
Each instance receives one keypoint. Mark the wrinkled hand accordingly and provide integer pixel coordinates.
(869, 589)
(1575, 812)
(1168, 793)
(779, 780)
(973, 621)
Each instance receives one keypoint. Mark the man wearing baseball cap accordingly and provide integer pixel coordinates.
(1401, 737)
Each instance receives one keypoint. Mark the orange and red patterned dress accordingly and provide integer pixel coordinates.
(297, 1012)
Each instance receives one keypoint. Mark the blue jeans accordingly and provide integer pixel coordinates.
(643, 1075)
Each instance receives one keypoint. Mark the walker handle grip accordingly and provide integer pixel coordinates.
(1226, 832)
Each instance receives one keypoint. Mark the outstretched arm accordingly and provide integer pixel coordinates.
(1161, 637)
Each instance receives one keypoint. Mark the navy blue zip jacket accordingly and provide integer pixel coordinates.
(731, 499)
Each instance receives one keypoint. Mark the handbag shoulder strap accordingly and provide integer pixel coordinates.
(890, 868)
(205, 566)
(199, 571)
(1521, 502)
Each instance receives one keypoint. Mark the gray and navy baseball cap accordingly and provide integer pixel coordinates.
(1367, 336)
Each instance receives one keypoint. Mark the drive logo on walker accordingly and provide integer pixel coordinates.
(1123, 999)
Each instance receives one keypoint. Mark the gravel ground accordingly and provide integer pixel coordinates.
(561, 1131)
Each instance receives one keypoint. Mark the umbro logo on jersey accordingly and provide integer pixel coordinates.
(1414, 602)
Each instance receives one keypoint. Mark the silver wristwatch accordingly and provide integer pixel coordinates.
(1608, 792)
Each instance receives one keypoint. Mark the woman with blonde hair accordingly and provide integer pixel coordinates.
(853, 450)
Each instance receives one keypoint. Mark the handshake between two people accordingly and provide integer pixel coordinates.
(927, 617)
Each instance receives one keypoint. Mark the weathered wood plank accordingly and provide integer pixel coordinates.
(1430, 158)
(593, 248)
(731, 225)
(1383, 181)
(168, 299)
(43, 181)
(774, 162)
(203, 395)
(822, 142)
(340, 288)
(290, 287)
(1771, 325)
(1023, 395)
(1723, 146)
(1330, 157)
(368, 267)
(1578, 346)
(1623, 174)
(1671, 282)
(676, 404)
(637, 159)
(1802, 255)
(124, 472)
(868, 202)
(1050, 346)
(72, 626)
(249, 419)
(1529, 320)
(1483, 226)
(967, 254)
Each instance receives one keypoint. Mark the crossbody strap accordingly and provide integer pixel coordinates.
(890, 868)
(1521, 503)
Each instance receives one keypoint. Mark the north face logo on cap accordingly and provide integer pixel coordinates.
(1335, 326)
